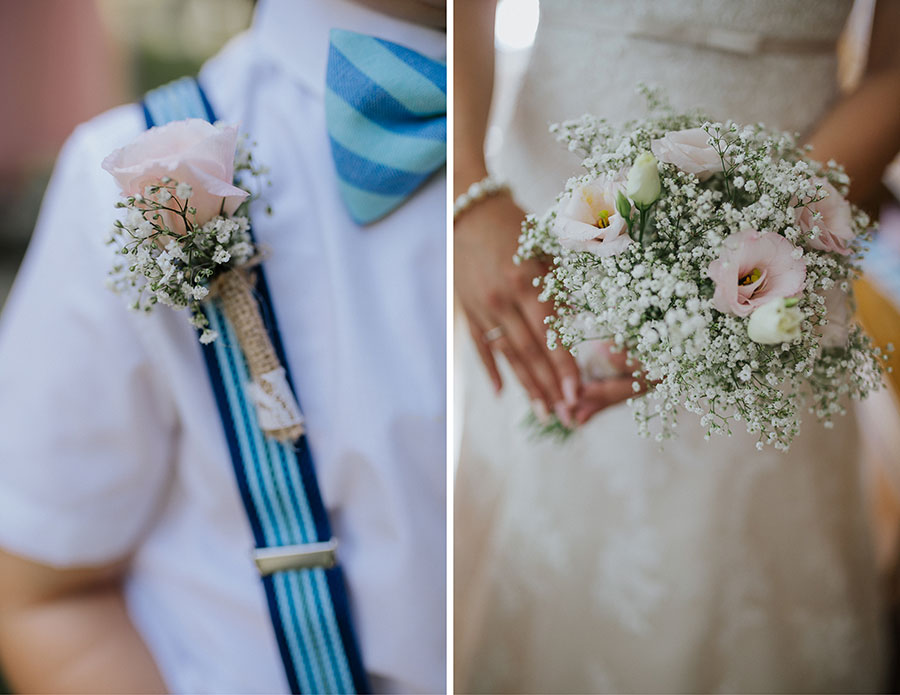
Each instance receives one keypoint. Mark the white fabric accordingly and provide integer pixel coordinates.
(604, 564)
(110, 441)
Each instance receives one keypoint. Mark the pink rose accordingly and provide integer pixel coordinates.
(834, 220)
(690, 151)
(754, 268)
(838, 315)
(589, 220)
(191, 151)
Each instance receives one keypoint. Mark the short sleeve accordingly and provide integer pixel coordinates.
(86, 431)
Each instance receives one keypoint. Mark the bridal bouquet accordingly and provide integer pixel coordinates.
(720, 257)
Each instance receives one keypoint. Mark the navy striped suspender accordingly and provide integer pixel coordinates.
(309, 607)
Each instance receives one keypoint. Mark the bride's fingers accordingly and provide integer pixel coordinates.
(517, 345)
(599, 395)
(501, 331)
(565, 370)
(520, 368)
(484, 352)
(532, 352)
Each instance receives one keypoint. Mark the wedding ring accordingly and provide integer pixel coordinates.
(493, 334)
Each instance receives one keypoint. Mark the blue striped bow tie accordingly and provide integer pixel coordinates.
(386, 108)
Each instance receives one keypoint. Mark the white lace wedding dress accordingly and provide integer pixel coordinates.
(603, 564)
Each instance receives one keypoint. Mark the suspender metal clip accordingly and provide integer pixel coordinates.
(296, 557)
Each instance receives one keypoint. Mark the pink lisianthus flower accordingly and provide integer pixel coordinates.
(589, 220)
(833, 217)
(689, 150)
(192, 152)
(754, 268)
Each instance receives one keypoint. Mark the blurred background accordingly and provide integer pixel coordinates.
(64, 61)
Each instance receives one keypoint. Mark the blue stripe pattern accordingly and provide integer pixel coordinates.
(432, 70)
(309, 608)
(386, 109)
(373, 176)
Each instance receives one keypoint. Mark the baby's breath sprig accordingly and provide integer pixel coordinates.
(165, 258)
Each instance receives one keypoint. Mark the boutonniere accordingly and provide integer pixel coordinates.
(185, 240)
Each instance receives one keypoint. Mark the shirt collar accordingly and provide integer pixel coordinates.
(295, 34)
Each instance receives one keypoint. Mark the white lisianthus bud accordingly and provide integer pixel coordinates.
(643, 185)
(777, 321)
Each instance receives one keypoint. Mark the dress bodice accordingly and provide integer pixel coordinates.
(750, 60)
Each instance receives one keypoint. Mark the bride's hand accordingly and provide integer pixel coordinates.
(614, 383)
(502, 308)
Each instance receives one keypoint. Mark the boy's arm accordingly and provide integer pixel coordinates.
(68, 631)
(88, 430)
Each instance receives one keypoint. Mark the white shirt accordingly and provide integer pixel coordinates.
(110, 440)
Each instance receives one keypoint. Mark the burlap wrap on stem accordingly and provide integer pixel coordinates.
(235, 289)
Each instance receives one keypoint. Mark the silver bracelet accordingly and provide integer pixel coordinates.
(478, 191)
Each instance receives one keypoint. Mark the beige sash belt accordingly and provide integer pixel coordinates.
(732, 41)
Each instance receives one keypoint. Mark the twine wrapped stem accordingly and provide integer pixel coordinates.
(277, 409)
